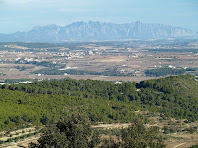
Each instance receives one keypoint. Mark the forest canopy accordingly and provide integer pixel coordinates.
(48, 101)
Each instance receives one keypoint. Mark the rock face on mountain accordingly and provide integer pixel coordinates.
(97, 31)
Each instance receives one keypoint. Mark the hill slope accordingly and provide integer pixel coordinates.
(47, 101)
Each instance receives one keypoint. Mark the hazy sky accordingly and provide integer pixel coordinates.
(22, 15)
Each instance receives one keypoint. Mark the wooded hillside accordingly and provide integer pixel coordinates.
(47, 101)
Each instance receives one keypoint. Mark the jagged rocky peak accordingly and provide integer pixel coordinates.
(93, 31)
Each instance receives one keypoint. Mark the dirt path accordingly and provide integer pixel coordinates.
(111, 126)
(16, 144)
(179, 145)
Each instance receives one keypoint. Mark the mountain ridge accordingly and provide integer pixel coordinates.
(98, 31)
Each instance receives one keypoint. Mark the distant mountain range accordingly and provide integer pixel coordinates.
(97, 31)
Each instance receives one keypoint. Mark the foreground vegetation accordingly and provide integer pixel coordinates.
(173, 132)
(75, 131)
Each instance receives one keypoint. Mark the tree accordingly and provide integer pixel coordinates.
(73, 132)
(194, 146)
(138, 136)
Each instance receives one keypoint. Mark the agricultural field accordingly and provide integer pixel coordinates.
(109, 61)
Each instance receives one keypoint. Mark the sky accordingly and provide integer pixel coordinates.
(23, 15)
